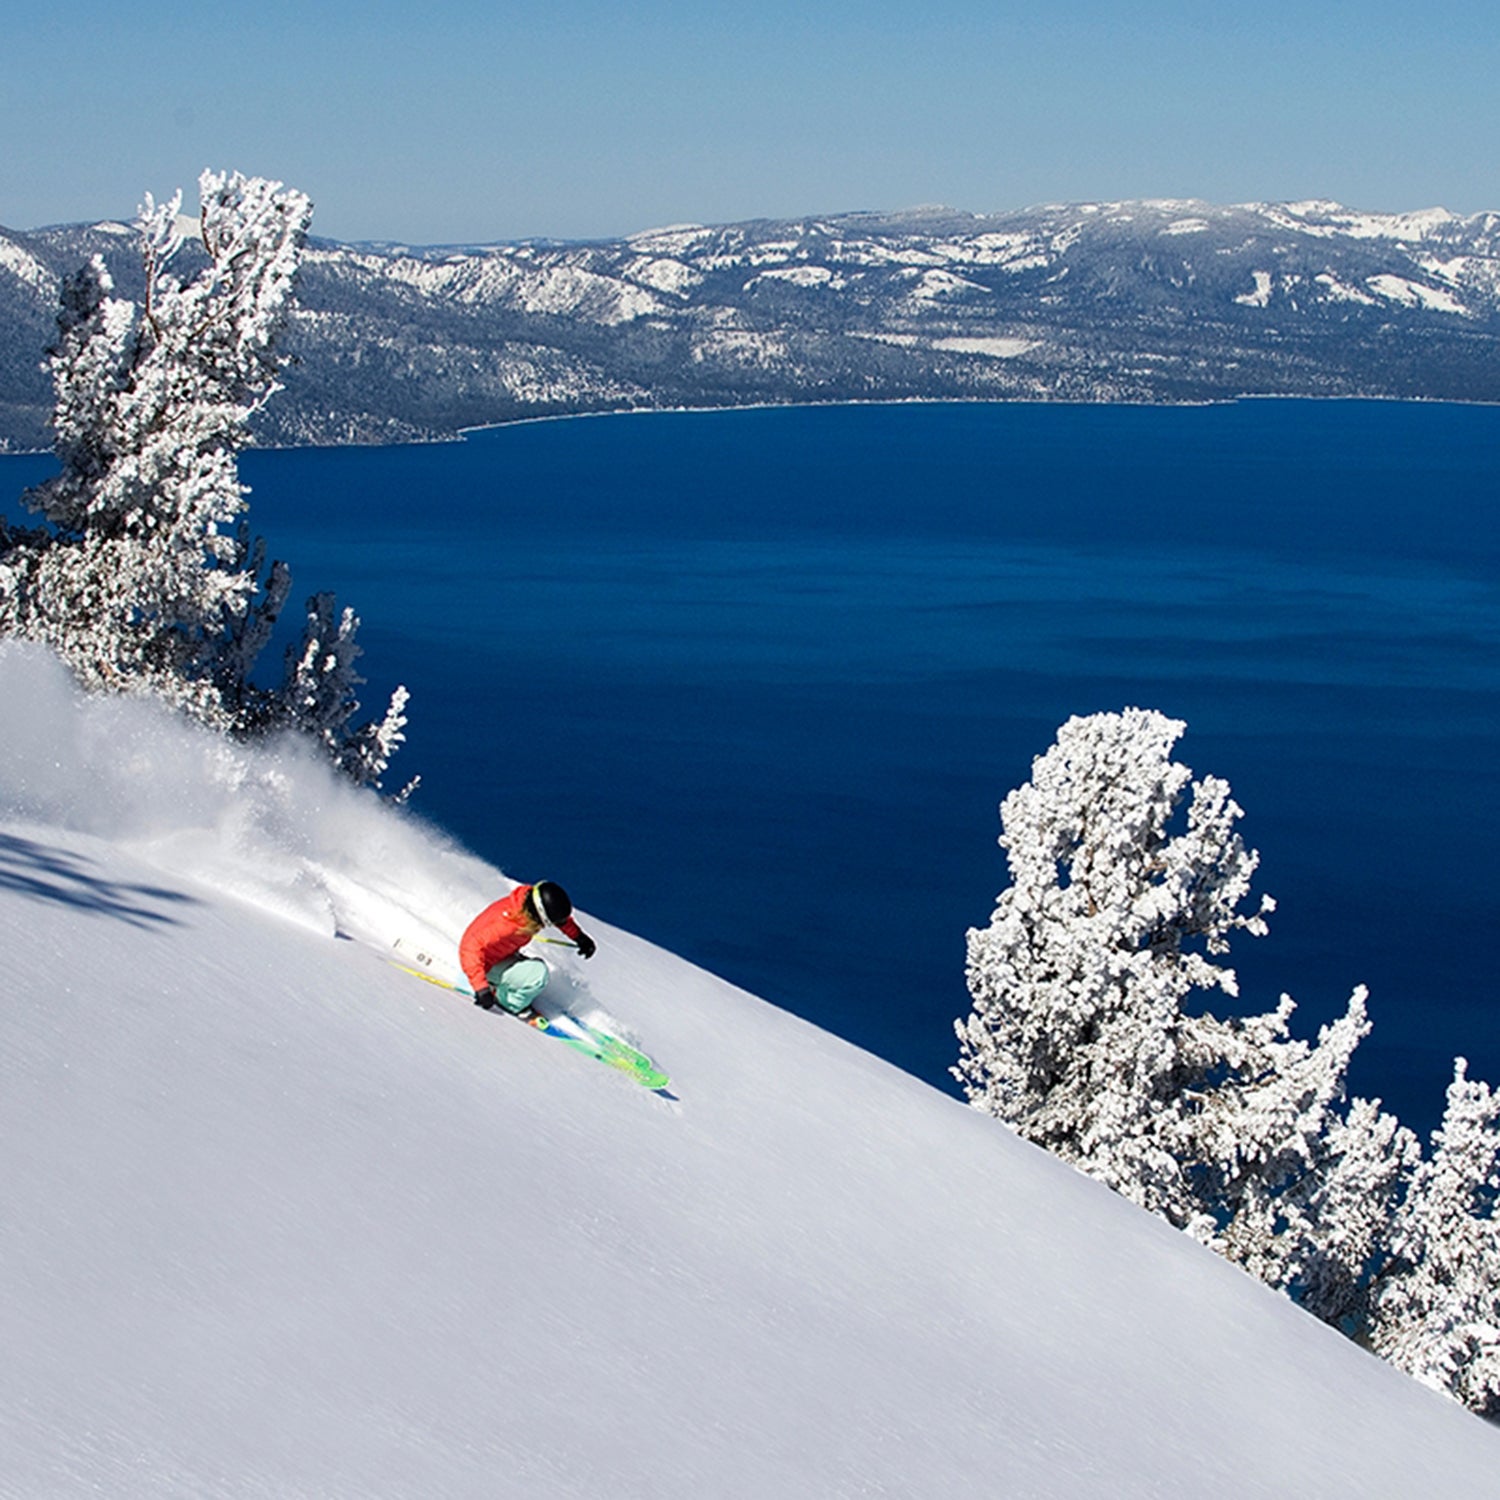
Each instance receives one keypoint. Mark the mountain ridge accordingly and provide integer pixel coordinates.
(1151, 300)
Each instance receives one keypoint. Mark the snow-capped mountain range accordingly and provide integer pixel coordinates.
(1151, 301)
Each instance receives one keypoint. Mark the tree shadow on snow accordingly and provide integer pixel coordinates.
(46, 874)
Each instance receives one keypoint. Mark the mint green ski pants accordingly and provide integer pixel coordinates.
(517, 981)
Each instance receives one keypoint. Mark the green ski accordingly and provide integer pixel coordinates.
(577, 1034)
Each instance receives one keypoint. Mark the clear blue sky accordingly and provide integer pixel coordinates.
(456, 120)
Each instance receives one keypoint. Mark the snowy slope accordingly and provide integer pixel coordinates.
(277, 1220)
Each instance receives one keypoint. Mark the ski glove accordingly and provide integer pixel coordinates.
(485, 997)
(586, 945)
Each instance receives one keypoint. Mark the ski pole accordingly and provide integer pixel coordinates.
(556, 942)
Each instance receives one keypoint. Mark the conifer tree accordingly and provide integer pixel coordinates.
(1435, 1309)
(1339, 1216)
(137, 580)
(1118, 905)
(1128, 878)
(1298, 1188)
(318, 695)
(1126, 881)
(152, 406)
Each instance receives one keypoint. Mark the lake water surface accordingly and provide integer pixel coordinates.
(753, 683)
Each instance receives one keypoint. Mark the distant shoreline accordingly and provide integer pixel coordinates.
(655, 411)
(658, 411)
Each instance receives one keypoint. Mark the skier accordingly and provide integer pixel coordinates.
(490, 949)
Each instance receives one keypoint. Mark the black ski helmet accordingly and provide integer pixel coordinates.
(550, 902)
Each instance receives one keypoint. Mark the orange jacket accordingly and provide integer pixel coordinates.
(500, 931)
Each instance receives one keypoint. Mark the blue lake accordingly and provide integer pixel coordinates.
(753, 683)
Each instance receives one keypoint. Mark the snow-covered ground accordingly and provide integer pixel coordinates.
(278, 1220)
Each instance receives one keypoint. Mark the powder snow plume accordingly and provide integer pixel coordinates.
(270, 823)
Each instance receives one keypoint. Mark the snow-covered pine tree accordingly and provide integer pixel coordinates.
(1231, 1129)
(1299, 1189)
(318, 696)
(135, 581)
(1339, 1215)
(152, 404)
(1116, 909)
(1127, 881)
(1435, 1309)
